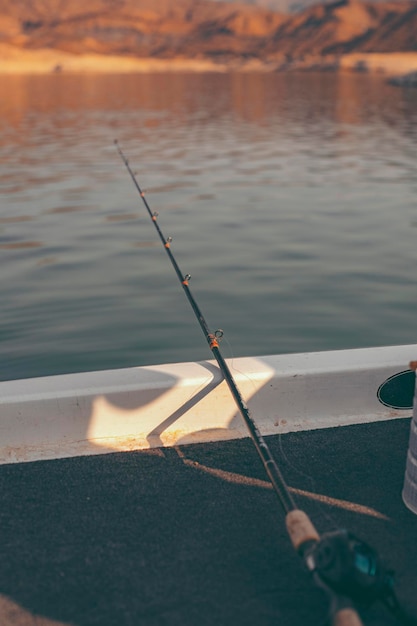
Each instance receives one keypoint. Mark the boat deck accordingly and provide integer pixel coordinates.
(193, 535)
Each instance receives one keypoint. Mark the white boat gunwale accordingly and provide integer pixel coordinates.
(164, 405)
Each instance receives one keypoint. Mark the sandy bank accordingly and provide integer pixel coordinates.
(392, 64)
(15, 60)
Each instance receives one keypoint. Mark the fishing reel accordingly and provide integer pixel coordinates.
(350, 568)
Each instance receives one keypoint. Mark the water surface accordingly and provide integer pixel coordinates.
(291, 200)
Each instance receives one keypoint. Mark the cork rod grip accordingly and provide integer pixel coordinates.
(346, 617)
(300, 528)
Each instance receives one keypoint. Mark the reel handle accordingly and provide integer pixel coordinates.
(346, 617)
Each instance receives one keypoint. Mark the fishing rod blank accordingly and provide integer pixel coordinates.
(270, 465)
(336, 560)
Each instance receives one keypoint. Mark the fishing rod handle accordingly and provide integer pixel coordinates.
(346, 617)
(300, 529)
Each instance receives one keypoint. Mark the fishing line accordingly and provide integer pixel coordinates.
(348, 570)
(321, 509)
(232, 361)
(309, 477)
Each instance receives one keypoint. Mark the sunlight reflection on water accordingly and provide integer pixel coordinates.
(291, 200)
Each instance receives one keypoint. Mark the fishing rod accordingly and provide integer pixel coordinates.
(348, 569)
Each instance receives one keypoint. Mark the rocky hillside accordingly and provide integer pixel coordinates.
(205, 29)
(349, 26)
(136, 27)
(289, 6)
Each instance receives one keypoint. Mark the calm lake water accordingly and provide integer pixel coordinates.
(291, 200)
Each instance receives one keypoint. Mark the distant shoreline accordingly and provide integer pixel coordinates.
(14, 60)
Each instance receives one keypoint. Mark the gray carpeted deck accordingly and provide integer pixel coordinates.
(194, 536)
